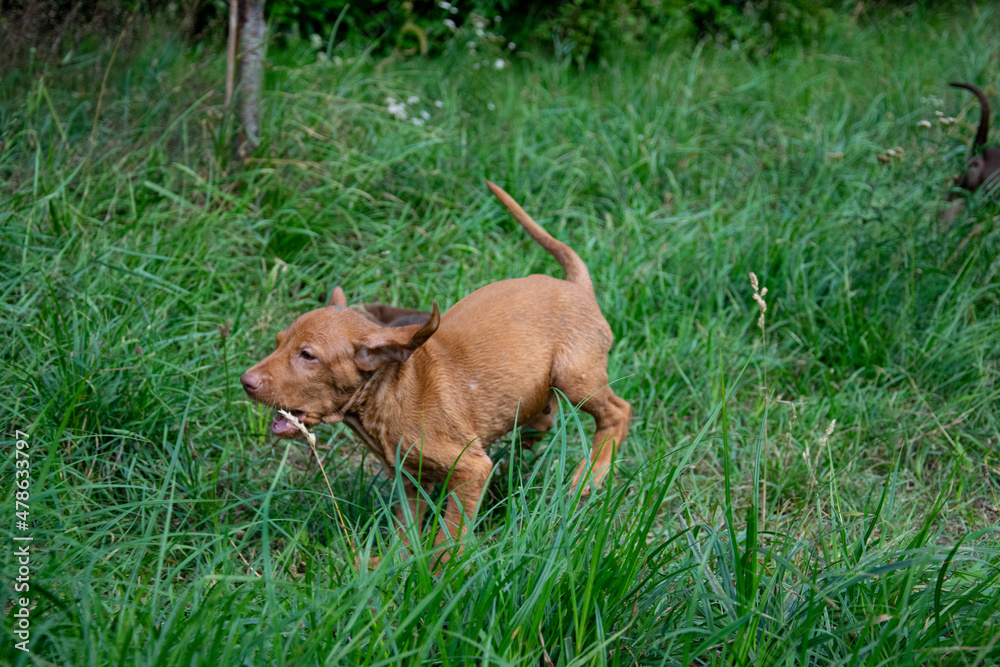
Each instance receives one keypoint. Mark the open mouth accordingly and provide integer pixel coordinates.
(283, 427)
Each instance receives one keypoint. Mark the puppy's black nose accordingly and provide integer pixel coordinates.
(250, 382)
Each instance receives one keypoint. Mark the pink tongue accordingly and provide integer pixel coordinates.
(283, 428)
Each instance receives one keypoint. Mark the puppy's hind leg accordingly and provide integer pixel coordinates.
(611, 415)
(465, 490)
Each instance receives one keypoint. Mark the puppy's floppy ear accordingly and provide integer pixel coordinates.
(338, 298)
(394, 344)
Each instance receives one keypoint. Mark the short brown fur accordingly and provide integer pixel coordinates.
(433, 394)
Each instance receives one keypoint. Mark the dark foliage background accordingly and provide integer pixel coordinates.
(587, 26)
(47, 29)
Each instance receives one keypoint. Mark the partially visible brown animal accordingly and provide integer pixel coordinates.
(433, 395)
(984, 167)
(381, 314)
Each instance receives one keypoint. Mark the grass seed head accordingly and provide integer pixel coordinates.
(758, 297)
(299, 425)
(826, 435)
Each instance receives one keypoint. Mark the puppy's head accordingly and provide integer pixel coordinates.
(321, 361)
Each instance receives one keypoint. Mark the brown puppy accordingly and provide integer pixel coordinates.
(433, 395)
(984, 167)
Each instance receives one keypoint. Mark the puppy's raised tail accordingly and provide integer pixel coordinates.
(984, 114)
(576, 270)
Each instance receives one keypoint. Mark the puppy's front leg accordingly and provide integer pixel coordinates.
(417, 508)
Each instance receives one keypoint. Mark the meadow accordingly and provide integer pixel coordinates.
(816, 487)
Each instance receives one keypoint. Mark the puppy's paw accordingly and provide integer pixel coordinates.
(592, 477)
(372, 563)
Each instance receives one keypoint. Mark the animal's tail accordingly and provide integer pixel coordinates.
(984, 115)
(576, 270)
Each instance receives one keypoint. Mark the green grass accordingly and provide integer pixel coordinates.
(739, 527)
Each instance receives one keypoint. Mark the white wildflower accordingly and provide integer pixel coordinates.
(438, 103)
(476, 65)
(948, 120)
(389, 101)
(480, 32)
(450, 24)
(397, 110)
(413, 99)
(496, 19)
(426, 115)
(500, 63)
(491, 106)
(316, 41)
(470, 45)
(924, 124)
(453, 10)
(511, 46)
(417, 121)
(444, 5)
(938, 113)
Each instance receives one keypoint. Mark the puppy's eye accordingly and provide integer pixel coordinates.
(305, 355)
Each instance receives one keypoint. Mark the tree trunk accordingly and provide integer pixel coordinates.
(251, 66)
(232, 47)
